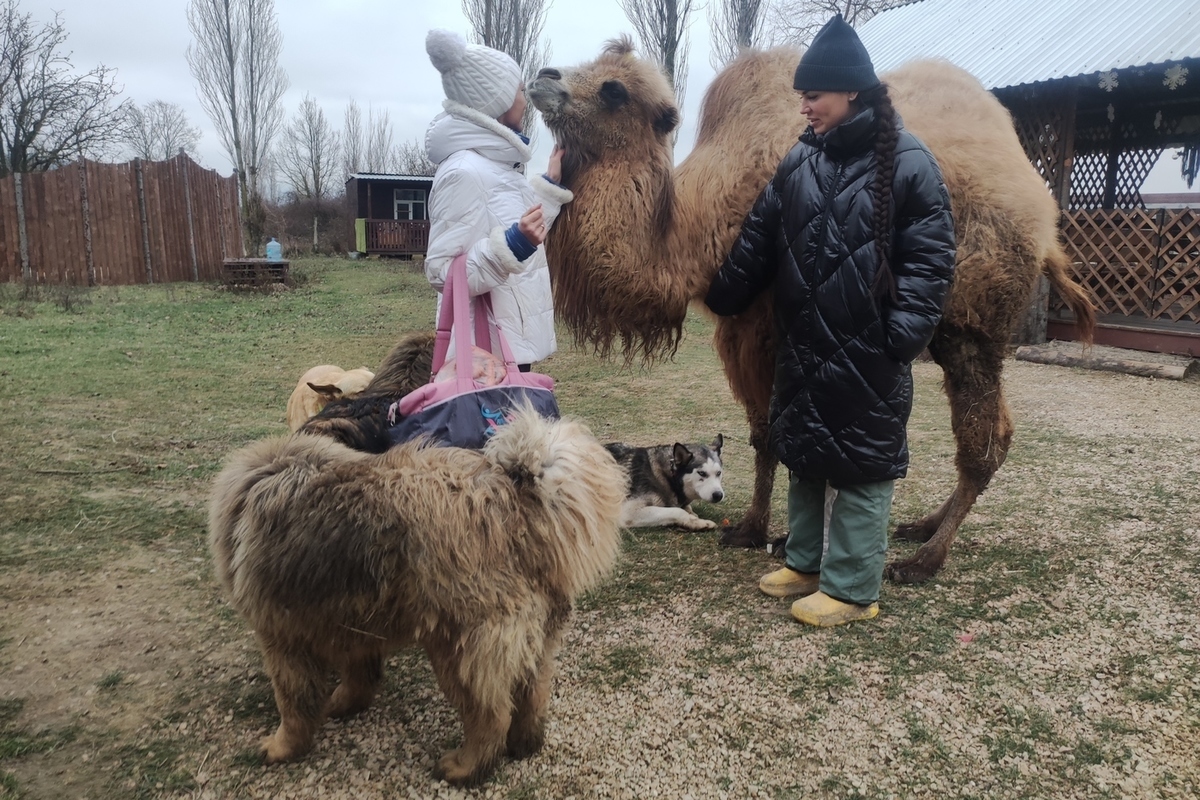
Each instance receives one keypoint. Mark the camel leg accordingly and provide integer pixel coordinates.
(983, 431)
(360, 677)
(485, 721)
(531, 699)
(746, 346)
(301, 692)
(751, 531)
(923, 529)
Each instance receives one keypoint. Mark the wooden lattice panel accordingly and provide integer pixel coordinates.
(1113, 253)
(1177, 295)
(1087, 180)
(1040, 128)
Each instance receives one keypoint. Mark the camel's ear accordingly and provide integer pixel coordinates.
(667, 119)
(613, 94)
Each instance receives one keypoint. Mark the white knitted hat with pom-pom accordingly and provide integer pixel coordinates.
(476, 76)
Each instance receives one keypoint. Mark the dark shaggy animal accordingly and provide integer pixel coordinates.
(360, 422)
(335, 556)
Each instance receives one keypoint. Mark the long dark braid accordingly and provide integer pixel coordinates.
(886, 137)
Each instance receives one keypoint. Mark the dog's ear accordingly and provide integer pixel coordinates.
(717, 443)
(682, 455)
(330, 391)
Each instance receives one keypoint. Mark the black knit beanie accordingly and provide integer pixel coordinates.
(836, 61)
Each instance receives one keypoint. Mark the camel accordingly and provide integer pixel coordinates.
(643, 239)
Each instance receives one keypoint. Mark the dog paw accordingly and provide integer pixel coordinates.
(458, 769)
(699, 524)
(524, 744)
(274, 751)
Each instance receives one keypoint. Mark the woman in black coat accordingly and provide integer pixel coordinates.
(855, 238)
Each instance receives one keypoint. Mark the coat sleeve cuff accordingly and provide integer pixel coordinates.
(498, 239)
(551, 190)
(521, 247)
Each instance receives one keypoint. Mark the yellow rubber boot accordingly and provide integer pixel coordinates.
(824, 611)
(787, 582)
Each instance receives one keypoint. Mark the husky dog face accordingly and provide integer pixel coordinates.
(701, 469)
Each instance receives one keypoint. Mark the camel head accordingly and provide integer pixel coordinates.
(609, 251)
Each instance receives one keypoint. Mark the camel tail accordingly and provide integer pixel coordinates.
(1058, 269)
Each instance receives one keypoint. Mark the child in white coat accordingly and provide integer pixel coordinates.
(481, 203)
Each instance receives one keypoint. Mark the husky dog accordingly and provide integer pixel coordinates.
(335, 556)
(664, 480)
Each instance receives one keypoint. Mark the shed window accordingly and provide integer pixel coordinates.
(408, 204)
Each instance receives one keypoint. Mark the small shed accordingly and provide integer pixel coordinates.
(390, 213)
(1098, 90)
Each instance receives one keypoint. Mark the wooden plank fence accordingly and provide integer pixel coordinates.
(94, 224)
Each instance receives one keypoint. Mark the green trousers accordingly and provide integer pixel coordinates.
(852, 566)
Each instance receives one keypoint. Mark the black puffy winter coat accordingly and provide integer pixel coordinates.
(843, 380)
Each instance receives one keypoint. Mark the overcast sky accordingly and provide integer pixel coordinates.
(370, 50)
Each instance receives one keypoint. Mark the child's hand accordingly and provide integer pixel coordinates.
(532, 225)
(554, 168)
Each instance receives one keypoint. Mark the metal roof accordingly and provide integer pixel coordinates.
(387, 176)
(1011, 42)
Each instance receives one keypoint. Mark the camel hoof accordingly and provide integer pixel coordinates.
(911, 571)
(742, 536)
(915, 532)
(776, 545)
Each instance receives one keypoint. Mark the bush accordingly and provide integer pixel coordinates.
(291, 223)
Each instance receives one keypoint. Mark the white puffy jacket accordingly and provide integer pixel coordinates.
(479, 191)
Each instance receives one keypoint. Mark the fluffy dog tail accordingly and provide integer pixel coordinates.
(559, 466)
(259, 485)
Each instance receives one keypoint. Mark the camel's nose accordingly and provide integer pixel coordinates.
(551, 73)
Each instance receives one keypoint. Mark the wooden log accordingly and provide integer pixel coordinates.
(1064, 358)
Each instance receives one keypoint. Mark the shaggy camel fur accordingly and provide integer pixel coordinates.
(335, 556)
(320, 385)
(360, 422)
(641, 240)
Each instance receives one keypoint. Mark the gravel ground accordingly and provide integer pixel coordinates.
(1054, 656)
(1067, 671)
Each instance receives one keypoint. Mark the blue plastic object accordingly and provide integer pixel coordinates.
(274, 250)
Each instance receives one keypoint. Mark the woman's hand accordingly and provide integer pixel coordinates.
(532, 225)
(554, 168)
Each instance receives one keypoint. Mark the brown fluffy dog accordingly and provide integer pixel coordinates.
(335, 556)
(321, 385)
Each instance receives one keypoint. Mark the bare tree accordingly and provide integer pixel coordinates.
(308, 157)
(158, 130)
(378, 155)
(735, 25)
(353, 142)
(409, 158)
(662, 29)
(798, 21)
(235, 60)
(513, 27)
(308, 152)
(49, 114)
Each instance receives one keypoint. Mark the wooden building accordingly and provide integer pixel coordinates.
(1099, 90)
(390, 213)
